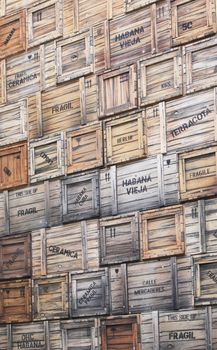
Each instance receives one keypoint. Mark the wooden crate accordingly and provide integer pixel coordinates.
(64, 107)
(162, 232)
(197, 173)
(15, 256)
(131, 5)
(14, 166)
(192, 20)
(46, 157)
(197, 75)
(89, 293)
(160, 78)
(200, 226)
(119, 241)
(120, 333)
(73, 247)
(117, 91)
(74, 56)
(44, 22)
(205, 277)
(187, 329)
(184, 123)
(118, 290)
(4, 217)
(125, 138)
(81, 334)
(34, 207)
(12, 34)
(13, 119)
(80, 196)
(142, 185)
(84, 148)
(8, 6)
(15, 301)
(50, 297)
(4, 333)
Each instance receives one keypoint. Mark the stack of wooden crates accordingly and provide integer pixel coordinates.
(108, 174)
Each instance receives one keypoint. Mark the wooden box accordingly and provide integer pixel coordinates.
(15, 256)
(64, 107)
(162, 232)
(50, 297)
(142, 185)
(205, 277)
(81, 334)
(74, 57)
(34, 207)
(15, 301)
(46, 157)
(131, 5)
(84, 148)
(200, 226)
(89, 293)
(8, 6)
(13, 119)
(20, 76)
(117, 91)
(44, 22)
(197, 172)
(73, 247)
(125, 138)
(187, 329)
(199, 76)
(4, 334)
(120, 333)
(192, 20)
(138, 34)
(14, 166)
(118, 290)
(4, 217)
(119, 241)
(80, 196)
(160, 78)
(12, 34)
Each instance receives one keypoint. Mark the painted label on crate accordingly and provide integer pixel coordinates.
(200, 173)
(191, 122)
(81, 197)
(13, 258)
(88, 294)
(129, 38)
(150, 287)
(182, 317)
(22, 78)
(134, 185)
(62, 251)
(46, 158)
(28, 211)
(166, 85)
(181, 336)
(62, 107)
(27, 192)
(124, 139)
(28, 342)
(9, 36)
(212, 276)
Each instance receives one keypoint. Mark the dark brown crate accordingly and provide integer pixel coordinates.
(15, 257)
(119, 240)
(192, 20)
(89, 293)
(47, 158)
(197, 173)
(12, 34)
(74, 56)
(15, 301)
(125, 138)
(50, 297)
(188, 329)
(205, 279)
(80, 196)
(73, 247)
(44, 22)
(162, 232)
(117, 91)
(14, 166)
(84, 148)
(120, 333)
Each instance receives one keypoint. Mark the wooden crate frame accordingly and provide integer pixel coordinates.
(137, 4)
